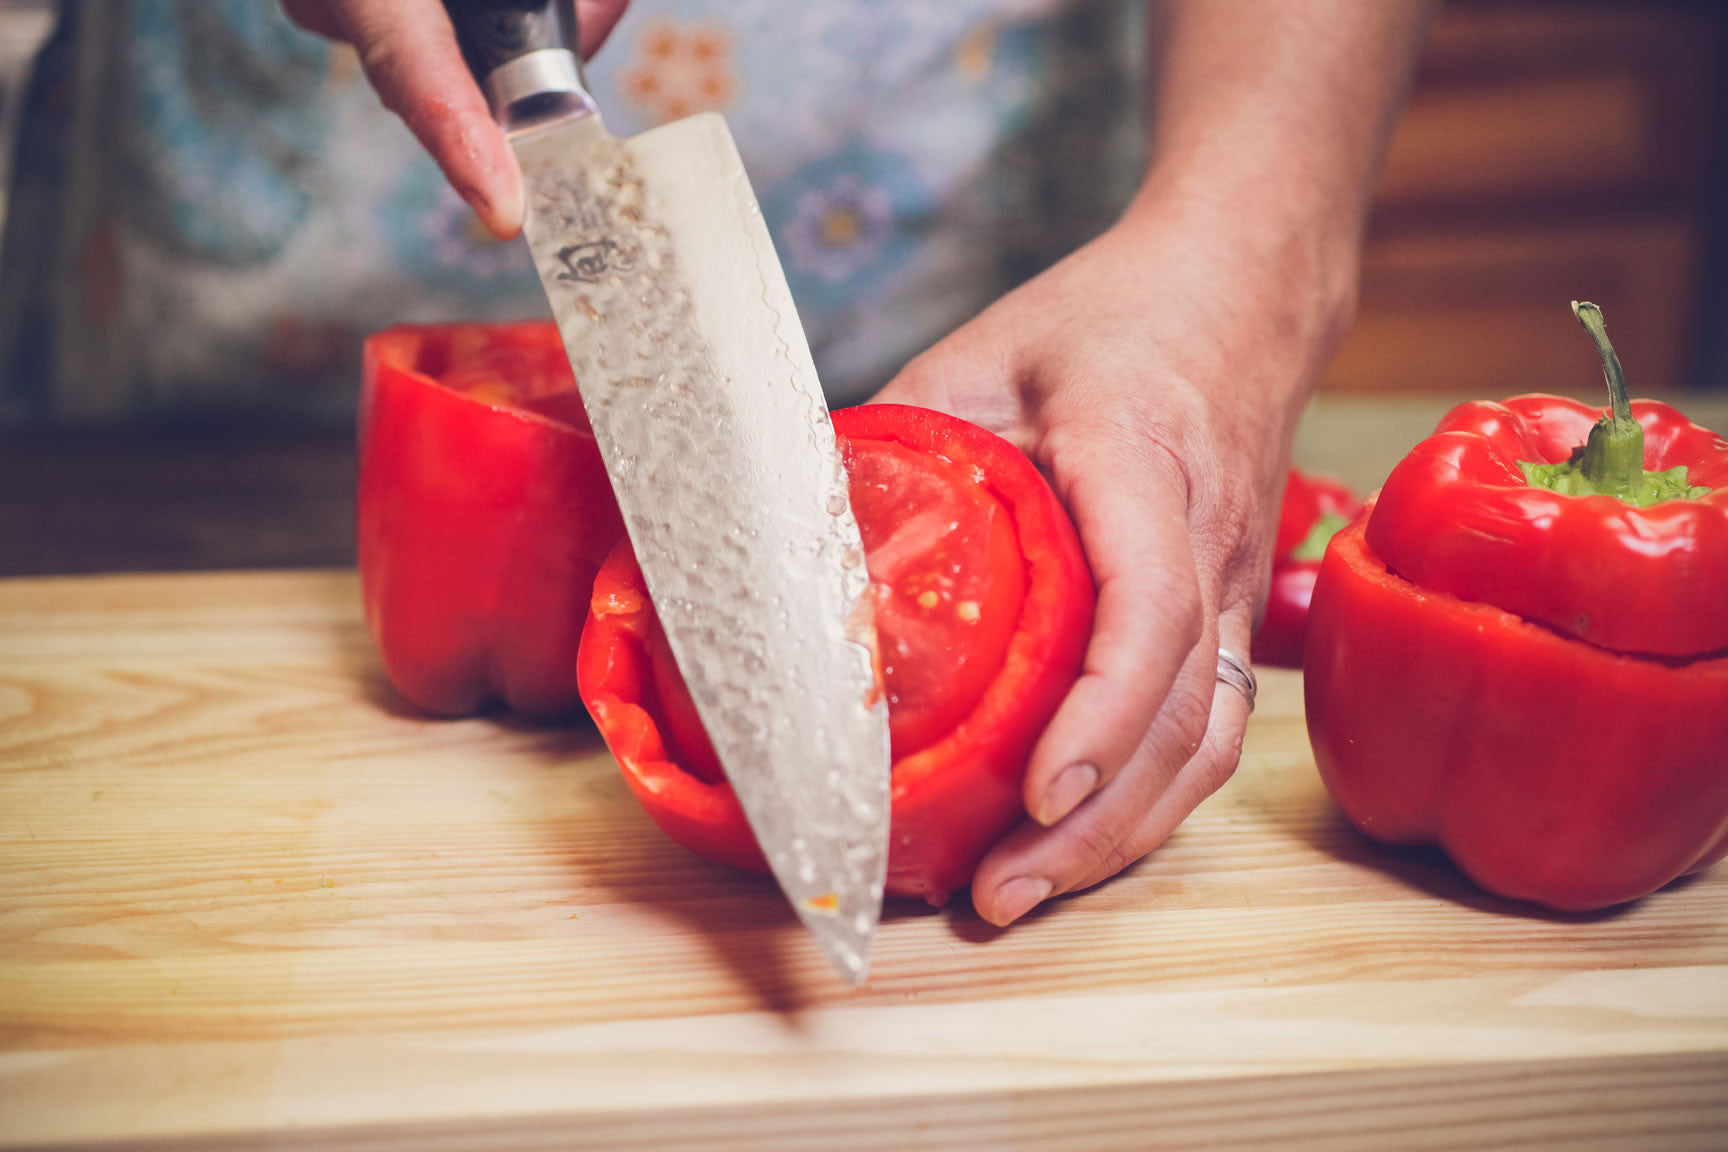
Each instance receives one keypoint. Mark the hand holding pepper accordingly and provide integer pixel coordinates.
(1160, 464)
(1156, 376)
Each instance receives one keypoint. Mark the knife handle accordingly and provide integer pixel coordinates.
(524, 53)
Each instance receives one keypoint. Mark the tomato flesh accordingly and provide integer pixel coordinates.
(946, 582)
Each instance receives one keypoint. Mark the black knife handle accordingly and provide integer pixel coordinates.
(495, 32)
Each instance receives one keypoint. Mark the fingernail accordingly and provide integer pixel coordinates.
(499, 206)
(502, 216)
(1072, 785)
(1019, 896)
(507, 211)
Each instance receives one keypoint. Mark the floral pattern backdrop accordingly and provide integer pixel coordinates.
(212, 209)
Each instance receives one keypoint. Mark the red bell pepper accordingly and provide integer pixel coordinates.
(1463, 517)
(983, 607)
(484, 513)
(1314, 508)
(1519, 653)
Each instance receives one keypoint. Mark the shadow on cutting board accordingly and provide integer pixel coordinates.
(569, 801)
(1294, 802)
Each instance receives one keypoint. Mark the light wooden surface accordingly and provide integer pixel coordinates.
(244, 897)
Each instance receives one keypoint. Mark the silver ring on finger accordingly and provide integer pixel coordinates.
(1234, 671)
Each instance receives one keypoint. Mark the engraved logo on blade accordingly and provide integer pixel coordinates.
(589, 261)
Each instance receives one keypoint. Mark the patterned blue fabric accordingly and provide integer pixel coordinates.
(222, 177)
(843, 222)
(232, 210)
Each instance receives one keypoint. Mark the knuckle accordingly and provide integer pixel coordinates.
(1189, 715)
(1095, 848)
(1122, 856)
(1066, 450)
(1213, 764)
(390, 70)
(1180, 738)
(1213, 771)
(300, 11)
(317, 17)
(926, 368)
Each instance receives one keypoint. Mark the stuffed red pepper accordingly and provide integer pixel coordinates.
(983, 607)
(1521, 652)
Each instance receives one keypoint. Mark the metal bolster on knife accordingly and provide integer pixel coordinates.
(525, 54)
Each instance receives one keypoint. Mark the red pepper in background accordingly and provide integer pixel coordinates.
(484, 513)
(1314, 508)
(1521, 652)
(983, 608)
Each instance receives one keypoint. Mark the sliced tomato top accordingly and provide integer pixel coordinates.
(946, 580)
(951, 517)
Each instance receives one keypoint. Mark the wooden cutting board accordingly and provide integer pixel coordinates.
(245, 896)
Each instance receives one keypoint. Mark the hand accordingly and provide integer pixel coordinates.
(1156, 377)
(408, 51)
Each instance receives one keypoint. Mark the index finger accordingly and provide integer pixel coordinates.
(409, 53)
(1130, 505)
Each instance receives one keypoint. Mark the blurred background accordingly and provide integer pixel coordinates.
(205, 211)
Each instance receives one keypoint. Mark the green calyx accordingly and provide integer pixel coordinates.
(1611, 461)
(1313, 546)
(1569, 479)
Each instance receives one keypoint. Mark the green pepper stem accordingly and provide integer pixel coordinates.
(1613, 457)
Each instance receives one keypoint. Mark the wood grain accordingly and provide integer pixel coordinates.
(245, 895)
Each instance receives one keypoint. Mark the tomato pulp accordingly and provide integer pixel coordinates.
(983, 606)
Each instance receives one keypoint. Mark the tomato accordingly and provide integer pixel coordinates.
(983, 608)
(946, 583)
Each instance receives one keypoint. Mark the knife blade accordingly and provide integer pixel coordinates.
(706, 406)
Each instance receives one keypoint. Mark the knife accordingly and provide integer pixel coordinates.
(705, 403)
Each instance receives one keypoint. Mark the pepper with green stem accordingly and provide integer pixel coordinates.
(1624, 547)
(1611, 461)
(1535, 567)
